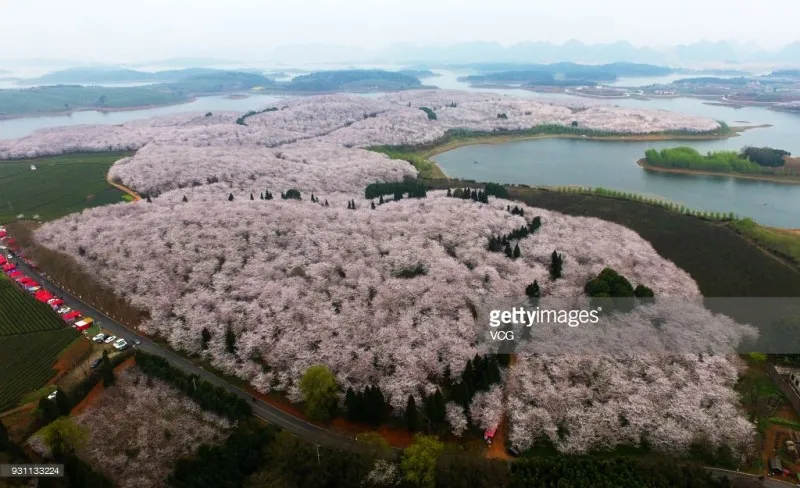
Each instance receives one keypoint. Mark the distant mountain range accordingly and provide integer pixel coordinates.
(703, 52)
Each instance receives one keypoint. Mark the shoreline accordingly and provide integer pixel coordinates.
(771, 178)
(506, 138)
(67, 113)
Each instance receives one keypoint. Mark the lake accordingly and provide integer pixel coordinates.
(562, 161)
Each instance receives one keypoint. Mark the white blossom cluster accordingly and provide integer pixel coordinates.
(595, 402)
(301, 284)
(133, 453)
(308, 166)
(237, 153)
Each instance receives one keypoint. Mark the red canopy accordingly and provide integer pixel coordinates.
(3, 260)
(71, 315)
(43, 295)
(2, 234)
(15, 274)
(25, 281)
(56, 303)
(83, 327)
(8, 267)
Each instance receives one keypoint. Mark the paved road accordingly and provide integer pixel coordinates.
(745, 480)
(261, 409)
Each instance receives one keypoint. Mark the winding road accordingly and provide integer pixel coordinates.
(261, 409)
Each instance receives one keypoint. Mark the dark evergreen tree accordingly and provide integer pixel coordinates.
(556, 263)
(230, 197)
(261, 196)
(380, 201)
(372, 205)
(62, 402)
(48, 410)
(185, 199)
(230, 340)
(532, 290)
(508, 251)
(642, 291)
(411, 415)
(438, 409)
(517, 252)
(251, 197)
(206, 337)
(351, 404)
(398, 196)
(449, 193)
(326, 203)
(107, 371)
(148, 199)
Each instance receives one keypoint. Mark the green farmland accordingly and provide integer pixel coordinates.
(60, 185)
(31, 338)
(21, 314)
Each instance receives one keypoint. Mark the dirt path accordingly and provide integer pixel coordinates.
(123, 188)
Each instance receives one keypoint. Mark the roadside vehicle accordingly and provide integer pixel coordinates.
(63, 310)
(136, 341)
(120, 344)
(99, 338)
(110, 339)
(513, 451)
(97, 362)
(52, 396)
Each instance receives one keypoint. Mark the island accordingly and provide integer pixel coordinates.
(764, 163)
(189, 84)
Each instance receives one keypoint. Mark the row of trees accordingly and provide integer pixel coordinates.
(469, 194)
(207, 395)
(365, 406)
(257, 456)
(413, 188)
(673, 207)
(609, 283)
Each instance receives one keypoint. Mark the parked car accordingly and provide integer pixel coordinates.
(63, 310)
(99, 338)
(120, 344)
(136, 341)
(513, 451)
(97, 362)
(110, 339)
(52, 396)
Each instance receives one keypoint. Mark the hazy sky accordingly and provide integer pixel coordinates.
(153, 29)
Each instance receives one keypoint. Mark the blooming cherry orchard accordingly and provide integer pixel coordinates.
(386, 296)
(133, 453)
(385, 303)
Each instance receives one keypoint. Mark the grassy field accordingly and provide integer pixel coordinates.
(31, 338)
(60, 185)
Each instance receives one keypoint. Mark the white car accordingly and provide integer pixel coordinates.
(52, 396)
(63, 310)
(110, 339)
(120, 344)
(99, 338)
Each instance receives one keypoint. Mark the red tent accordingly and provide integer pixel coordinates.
(3, 260)
(25, 281)
(2, 234)
(15, 274)
(71, 316)
(8, 267)
(56, 304)
(43, 295)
